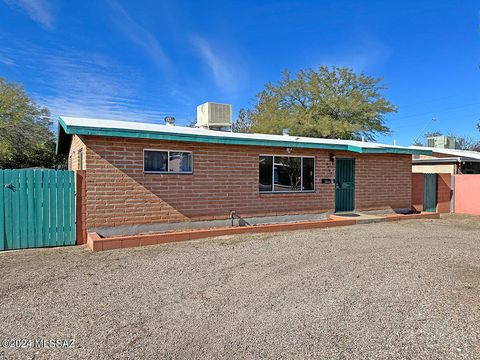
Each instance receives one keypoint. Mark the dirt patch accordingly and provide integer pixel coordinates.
(396, 290)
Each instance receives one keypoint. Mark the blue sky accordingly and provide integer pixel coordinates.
(143, 60)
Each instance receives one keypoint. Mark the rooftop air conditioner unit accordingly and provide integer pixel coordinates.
(444, 142)
(214, 115)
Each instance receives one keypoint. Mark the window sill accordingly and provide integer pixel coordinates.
(286, 192)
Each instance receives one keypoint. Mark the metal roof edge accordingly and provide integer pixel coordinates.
(61, 134)
(449, 160)
(146, 134)
(395, 150)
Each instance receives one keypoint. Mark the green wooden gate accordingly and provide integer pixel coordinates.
(37, 208)
(345, 185)
(430, 192)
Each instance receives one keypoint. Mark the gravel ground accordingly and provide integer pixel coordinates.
(406, 290)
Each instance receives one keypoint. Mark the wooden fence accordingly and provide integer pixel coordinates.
(37, 208)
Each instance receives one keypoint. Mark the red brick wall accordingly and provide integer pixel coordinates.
(383, 181)
(443, 193)
(224, 178)
(417, 191)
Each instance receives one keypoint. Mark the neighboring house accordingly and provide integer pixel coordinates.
(141, 175)
(446, 161)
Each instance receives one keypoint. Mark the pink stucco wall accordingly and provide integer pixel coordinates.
(467, 194)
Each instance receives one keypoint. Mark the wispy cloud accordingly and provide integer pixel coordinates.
(139, 35)
(365, 53)
(226, 75)
(5, 60)
(86, 84)
(38, 10)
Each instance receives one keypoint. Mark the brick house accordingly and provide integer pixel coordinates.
(139, 176)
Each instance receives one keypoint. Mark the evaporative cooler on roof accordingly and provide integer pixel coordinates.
(212, 115)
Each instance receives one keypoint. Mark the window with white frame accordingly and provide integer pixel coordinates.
(166, 161)
(80, 159)
(286, 173)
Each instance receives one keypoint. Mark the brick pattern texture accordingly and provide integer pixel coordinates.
(444, 193)
(417, 191)
(224, 178)
(76, 146)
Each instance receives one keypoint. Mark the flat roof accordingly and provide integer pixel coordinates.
(129, 129)
(443, 160)
(467, 154)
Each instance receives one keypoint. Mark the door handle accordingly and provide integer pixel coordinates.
(9, 186)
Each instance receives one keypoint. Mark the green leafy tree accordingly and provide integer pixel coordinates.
(26, 138)
(327, 102)
(243, 122)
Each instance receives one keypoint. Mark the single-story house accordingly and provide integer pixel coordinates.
(446, 161)
(141, 175)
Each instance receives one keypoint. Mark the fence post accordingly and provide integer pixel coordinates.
(81, 206)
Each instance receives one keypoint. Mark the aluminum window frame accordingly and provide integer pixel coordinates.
(301, 175)
(168, 162)
(80, 159)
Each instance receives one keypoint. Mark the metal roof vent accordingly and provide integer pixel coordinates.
(169, 120)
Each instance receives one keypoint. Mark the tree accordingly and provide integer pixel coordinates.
(467, 143)
(243, 122)
(327, 102)
(26, 138)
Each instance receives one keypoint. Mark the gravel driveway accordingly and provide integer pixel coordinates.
(406, 290)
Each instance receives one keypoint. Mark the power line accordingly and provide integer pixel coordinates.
(470, 117)
(436, 111)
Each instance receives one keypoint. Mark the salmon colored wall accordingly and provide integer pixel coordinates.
(417, 191)
(467, 194)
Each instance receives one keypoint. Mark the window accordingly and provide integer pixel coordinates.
(164, 161)
(80, 159)
(286, 173)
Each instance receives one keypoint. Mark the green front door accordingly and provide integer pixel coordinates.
(430, 192)
(345, 185)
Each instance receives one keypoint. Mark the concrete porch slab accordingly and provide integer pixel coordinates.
(360, 218)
